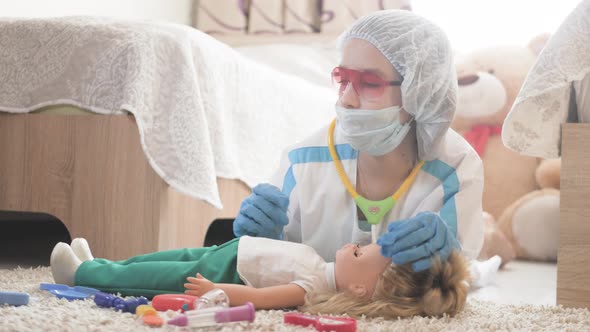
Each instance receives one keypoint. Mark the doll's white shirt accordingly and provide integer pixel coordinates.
(265, 262)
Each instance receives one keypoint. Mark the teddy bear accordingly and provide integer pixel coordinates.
(531, 224)
(521, 193)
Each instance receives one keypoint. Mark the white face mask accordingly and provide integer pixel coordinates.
(376, 132)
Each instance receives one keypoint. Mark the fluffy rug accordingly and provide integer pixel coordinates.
(47, 313)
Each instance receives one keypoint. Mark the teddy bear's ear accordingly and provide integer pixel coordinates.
(537, 43)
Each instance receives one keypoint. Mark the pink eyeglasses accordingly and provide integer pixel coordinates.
(366, 84)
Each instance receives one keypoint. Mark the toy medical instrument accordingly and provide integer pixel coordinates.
(215, 298)
(215, 315)
(321, 323)
(145, 310)
(14, 298)
(149, 315)
(106, 300)
(153, 320)
(374, 211)
(67, 292)
(174, 302)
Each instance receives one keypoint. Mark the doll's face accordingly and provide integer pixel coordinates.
(359, 268)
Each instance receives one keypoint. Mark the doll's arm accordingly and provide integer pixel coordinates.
(275, 297)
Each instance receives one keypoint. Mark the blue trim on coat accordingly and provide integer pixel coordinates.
(314, 154)
(448, 176)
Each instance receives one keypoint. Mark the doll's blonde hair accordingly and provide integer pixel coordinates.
(400, 292)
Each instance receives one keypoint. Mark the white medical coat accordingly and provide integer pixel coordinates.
(323, 215)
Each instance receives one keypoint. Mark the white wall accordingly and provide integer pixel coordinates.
(177, 11)
(470, 24)
(473, 24)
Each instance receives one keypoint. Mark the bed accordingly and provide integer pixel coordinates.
(83, 141)
(90, 172)
(550, 118)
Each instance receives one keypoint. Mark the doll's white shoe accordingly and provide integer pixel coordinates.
(64, 264)
(82, 249)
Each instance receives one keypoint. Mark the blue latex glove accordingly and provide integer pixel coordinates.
(418, 240)
(263, 213)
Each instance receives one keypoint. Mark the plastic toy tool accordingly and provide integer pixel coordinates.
(14, 298)
(174, 302)
(321, 323)
(213, 298)
(106, 300)
(214, 316)
(67, 292)
(183, 302)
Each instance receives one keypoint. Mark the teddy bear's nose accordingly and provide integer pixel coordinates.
(467, 79)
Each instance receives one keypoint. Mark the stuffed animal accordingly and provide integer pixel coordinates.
(531, 224)
(516, 211)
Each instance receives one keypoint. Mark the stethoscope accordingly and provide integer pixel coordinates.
(374, 211)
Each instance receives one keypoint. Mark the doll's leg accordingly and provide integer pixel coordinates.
(177, 255)
(64, 264)
(81, 249)
(152, 277)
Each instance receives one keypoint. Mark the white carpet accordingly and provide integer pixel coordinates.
(47, 313)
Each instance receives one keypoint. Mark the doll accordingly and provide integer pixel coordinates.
(275, 274)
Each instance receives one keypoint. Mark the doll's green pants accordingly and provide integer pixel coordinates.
(163, 272)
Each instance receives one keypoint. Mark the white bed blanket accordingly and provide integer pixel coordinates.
(203, 110)
(533, 126)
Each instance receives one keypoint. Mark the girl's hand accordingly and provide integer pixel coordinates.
(418, 240)
(263, 213)
(198, 286)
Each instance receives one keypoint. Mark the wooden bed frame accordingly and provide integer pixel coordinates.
(573, 260)
(90, 172)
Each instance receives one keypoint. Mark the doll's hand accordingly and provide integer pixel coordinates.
(198, 286)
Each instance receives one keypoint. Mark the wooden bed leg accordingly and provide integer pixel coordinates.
(573, 261)
(184, 220)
